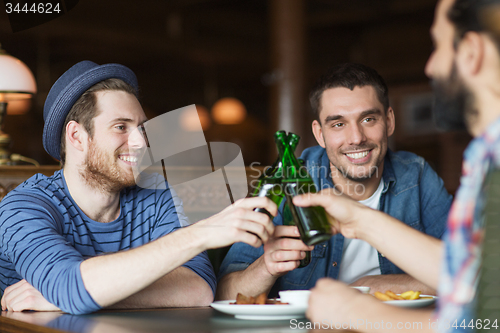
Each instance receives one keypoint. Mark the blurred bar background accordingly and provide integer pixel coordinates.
(264, 53)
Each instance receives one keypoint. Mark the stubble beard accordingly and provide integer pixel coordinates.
(453, 103)
(104, 175)
(359, 177)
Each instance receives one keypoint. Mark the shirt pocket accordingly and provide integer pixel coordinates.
(303, 277)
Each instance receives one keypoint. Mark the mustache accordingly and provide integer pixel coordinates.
(356, 148)
(138, 152)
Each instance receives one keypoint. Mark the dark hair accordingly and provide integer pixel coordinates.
(348, 75)
(476, 15)
(84, 110)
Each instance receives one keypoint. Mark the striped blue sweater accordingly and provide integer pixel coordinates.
(44, 236)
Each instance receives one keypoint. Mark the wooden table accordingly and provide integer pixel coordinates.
(178, 320)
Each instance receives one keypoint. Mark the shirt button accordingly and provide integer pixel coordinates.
(334, 264)
(382, 255)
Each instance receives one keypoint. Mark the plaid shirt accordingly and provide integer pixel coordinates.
(462, 241)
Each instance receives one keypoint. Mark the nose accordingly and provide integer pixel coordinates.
(429, 65)
(356, 135)
(137, 138)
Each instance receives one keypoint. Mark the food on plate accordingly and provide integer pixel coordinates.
(382, 297)
(410, 295)
(391, 296)
(259, 299)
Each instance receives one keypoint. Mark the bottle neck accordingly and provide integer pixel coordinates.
(290, 164)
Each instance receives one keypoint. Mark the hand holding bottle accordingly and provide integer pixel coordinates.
(284, 250)
(345, 214)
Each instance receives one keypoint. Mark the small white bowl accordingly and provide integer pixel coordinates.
(295, 297)
(364, 290)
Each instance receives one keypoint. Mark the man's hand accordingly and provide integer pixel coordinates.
(284, 250)
(23, 296)
(239, 223)
(345, 214)
(333, 302)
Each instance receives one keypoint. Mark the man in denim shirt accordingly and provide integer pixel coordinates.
(354, 121)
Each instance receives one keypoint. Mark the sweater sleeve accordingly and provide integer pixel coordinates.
(31, 238)
(170, 217)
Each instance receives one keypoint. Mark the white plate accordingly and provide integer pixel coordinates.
(261, 312)
(416, 303)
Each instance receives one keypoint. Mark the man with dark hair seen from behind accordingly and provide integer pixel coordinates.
(352, 126)
(465, 70)
(87, 237)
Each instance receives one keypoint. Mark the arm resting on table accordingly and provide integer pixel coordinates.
(180, 288)
(252, 281)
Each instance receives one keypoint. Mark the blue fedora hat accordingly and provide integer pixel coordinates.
(66, 91)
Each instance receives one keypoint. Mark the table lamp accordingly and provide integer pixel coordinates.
(17, 86)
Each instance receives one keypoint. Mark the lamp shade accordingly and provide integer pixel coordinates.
(229, 111)
(16, 80)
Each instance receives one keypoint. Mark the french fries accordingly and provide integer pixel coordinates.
(382, 297)
(259, 299)
(394, 296)
(391, 296)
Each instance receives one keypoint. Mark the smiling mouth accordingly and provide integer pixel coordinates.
(128, 158)
(358, 155)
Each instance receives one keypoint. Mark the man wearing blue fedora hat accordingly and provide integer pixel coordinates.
(87, 237)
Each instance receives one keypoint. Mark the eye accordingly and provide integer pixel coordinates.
(338, 125)
(120, 127)
(367, 120)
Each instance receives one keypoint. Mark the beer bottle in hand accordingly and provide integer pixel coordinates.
(287, 214)
(269, 183)
(312, 222)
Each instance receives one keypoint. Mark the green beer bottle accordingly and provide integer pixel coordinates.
(269, 185)
(287, 214)
(312, 222)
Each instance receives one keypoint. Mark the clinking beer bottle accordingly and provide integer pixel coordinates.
(287, 214)
(287, 176)
(269, 185)
(312, 222)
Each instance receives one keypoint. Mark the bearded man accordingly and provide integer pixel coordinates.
(87, 237)
(465, 69)
(352, 126)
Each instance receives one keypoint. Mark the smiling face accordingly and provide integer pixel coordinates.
(354, 129)
(111, 152)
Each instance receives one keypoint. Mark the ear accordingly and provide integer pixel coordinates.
(390, 121)
(76, 136)
(318, 133)
(470, 54)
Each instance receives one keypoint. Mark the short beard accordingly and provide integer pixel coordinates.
(453, 103)
(359, 179)
(374, 169)
(98, 174)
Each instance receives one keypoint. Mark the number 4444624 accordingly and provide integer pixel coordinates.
(484, 324)
(38, 8)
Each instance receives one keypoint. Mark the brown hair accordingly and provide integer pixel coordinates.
(348, 75)
(84, 110)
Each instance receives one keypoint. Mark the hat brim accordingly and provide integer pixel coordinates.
(65, 100)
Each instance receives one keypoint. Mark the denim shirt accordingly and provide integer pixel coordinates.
(413, 193)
